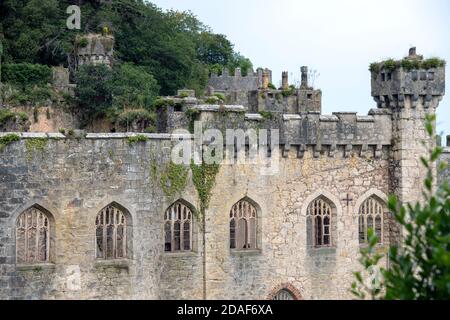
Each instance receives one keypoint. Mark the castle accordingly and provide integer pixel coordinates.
(109, 216)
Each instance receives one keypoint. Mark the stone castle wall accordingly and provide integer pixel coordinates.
(74, 179)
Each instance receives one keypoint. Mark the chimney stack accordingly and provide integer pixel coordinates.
(284, 80)
(304, 81)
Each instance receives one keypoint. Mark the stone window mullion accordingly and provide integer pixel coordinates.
(178, 216)
(243, 224)
(372, 210)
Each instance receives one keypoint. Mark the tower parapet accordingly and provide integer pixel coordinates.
(392, 81)
(411, 89)
(238, 82)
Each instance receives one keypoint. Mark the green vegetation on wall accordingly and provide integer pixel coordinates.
(33, 145)
(174, 179)
(289, 92)
(8, 115)
(407, 64)
(267, 115)
(204, 178)
(192, 114)
(135, 139)
(7, 140)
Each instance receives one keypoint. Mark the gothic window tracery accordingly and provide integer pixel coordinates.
(320, 222)
(178, 228)
(33, 237)
(370, 216)
(111, 233)
(243, 226)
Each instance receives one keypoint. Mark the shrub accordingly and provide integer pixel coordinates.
(433, 63)
(271, 86)
(407, 64)
(32, 95)
(220, 96)
(6, 115)
(136, 139)
(374, 67)
(212, 100)
(8, 139)
(266, 115)
(162, 103)
(82, 42)
(26, 74)
(136, 115)
(288, 92)
(391, 64)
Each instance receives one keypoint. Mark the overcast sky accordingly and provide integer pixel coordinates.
(339, 39)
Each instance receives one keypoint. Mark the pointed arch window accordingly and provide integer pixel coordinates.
(33, 229)
(283, 294)
(320, 222)
(112, 233)
(370, 215)
(178, 228)
(243, 226)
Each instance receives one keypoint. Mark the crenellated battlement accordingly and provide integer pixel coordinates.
(239, 82)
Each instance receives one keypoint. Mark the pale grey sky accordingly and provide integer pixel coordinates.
(339, 39)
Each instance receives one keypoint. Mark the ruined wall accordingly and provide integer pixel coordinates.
(74, 179)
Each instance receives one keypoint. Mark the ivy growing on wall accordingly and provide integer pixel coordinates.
(192, 116)
(35, 144)
(173, 179)
(204, 178)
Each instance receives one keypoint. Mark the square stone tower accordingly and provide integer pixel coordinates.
(409, 89)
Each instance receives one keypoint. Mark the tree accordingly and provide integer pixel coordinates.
(420, 267)
(175, 47)
(239, 61)
(214, 49)
(93, 91)
(133, 87)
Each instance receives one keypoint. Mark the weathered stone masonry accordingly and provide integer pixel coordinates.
(343, 158)
(74, 180)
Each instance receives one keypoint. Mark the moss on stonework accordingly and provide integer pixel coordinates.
(35, 144)
(267, 115)
(153, 169)
(204, 178)
(288, 92)
(174, 179)
(136, 139)
(192, 114)
(7, 140)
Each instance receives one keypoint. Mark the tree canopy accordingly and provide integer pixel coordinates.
(174, 47)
